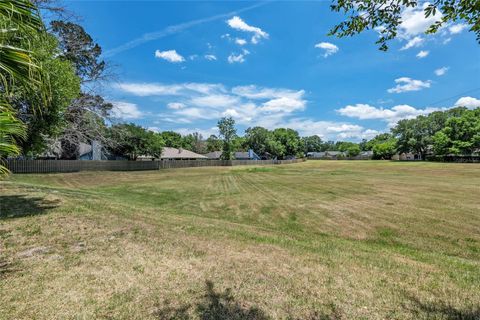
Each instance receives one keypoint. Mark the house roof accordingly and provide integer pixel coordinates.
(214, 155)
(174, 153)
(242, 155)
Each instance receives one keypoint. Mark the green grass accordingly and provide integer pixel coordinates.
(315, 240)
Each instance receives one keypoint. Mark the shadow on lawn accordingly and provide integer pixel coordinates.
(442, 310)
(17, 206)
(215, 305)
(212, 306)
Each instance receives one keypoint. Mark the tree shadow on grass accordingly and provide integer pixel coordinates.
(442, 310)
(17, 206)
(213, 305)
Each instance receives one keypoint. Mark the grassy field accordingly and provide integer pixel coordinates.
(316, 240)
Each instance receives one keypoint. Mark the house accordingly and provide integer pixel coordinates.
(327, 155)
(93, 151)
(180, 154)
(249, 155)
(214, 155)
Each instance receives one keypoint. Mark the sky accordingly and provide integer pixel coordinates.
(183, 65)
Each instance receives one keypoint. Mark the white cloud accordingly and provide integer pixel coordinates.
(238, 57)
(283, 104)
(169, 55)
(457, 28)
(204, 132)
(413, 42)
(468, 102)
(175, 105)
(214, 100)
(329, 48)
(255, 92)
(154, 129)
(329, 130)
(125, 110)
(391, 116)
(441, 71)
(240, 42)
(405, 84)
(238, 24)
(210, 57)
(414, 21)
(422, 54)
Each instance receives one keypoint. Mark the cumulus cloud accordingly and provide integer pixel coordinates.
(422, 54)
(468, 102)
(240, 42)
(125, 110)
(441, 71)
(405, 84)
(238, 57)
(238, 24)
(391, 116)
(175, 105)
(169, 55)
(414, 21)
(457, 28)
(210, 57)
(413, 42)
(328, 48)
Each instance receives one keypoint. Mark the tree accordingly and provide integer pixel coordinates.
(194, 142)
(63, 87)
(11, 129)
(172, 139)
(415, 135)
(18, 18)
(384, 150)
(353, 150)
(312, 143)
(226, 128)
(386, 16)
(258, 139)
(78, 47)
(460, 136)
(133, 141)
(290, 139)
(85, 122)
(213, 143)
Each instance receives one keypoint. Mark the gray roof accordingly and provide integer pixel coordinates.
(174, 153)
(242, 155)
(214, 155)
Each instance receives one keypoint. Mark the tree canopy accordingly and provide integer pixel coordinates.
(386, 16)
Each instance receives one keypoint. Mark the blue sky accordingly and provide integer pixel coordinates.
(183, 65)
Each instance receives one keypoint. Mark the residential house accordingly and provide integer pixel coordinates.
(180, 154)
(249, 155)
(214, 155)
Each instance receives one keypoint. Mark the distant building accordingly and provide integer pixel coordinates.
(180, 154)
(214, 155)
(326, 155)
(93, 151)
(249, 155)
(335, 155)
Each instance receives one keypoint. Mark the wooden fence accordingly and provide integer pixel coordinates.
(53, 166)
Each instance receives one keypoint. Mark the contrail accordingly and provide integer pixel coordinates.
(174, 29)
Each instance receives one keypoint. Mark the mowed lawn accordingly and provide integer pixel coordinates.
(315, 240)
